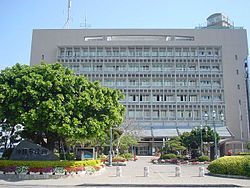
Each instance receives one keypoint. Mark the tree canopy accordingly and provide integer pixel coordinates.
(174, 145)
(52, 103)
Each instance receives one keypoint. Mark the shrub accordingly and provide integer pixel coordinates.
(203, 158)
(180, 156)
(168, 156)
(127, 156)
(118, 159)
(102, 156)
(44, 164)
(244, 153)
(231, 165)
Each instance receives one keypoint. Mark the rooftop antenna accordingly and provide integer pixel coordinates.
(67, 23)
(85, 24)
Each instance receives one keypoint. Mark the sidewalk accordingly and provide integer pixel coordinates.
(133, 174)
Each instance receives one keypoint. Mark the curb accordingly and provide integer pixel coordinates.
(158, 185)
(228, 176)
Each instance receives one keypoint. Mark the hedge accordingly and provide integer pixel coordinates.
(231, 165)
(46, 164)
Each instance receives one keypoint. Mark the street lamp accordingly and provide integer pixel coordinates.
(215, 138)
(201, 140)
(110, 147)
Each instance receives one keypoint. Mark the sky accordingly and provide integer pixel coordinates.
(20, 17)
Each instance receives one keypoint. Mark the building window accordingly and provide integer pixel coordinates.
(236, 57)
(238, 86)
(69, 52)
(156, 114)
(237, 71)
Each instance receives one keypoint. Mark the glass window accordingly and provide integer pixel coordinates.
(133, 82)
(145, 82)
(92, 52)
(169, 52)
(202, 52)
(169, 98)
(146, 52)
(116, 52)
(139, 52)
(68, 52)
(85, 52)
(192, 82)
(162, 52)
(157, 83)
(131, 114)
(76, 52)
(154, 52)
(108, 52)
(178, 52)
(157, 67)
(192, 98)
(168, 82)
(131, 52)
(123, 52)
(193, 52)
(62, 52)
(144, 67)
(133, 68)
(185, 52)
(100, 52)
(171, 114)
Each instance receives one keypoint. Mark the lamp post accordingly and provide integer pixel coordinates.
(110, 147)
(215, 138)
(201, 140)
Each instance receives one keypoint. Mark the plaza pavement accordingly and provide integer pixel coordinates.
(133, 175)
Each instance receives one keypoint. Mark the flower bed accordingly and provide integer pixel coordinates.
(54, 167)
(116, 161)
(177, 161)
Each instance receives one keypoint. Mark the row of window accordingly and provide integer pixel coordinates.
(168, 114)
(138, 52)
(161, 82)
(145, 67)
(139, 60)
(171, 114)
(173, 98)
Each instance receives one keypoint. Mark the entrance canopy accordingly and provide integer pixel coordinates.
(164, 131)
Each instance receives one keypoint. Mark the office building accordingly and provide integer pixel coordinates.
(171, 77)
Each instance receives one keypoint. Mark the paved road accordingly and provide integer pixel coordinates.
(133, 174)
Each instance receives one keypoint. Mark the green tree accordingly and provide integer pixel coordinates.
(54, 104)
(174, 145)
(192, 140)
(127, 141)
(248, 145)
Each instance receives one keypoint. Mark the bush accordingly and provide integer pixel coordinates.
(118, 159)
(168, 156)
(244, 153)
(127, 156)
(180, 157)
(45, 164)
(231, 165)
(102, 156)
(203, 158)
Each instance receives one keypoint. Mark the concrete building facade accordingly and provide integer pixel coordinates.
(171, 77)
